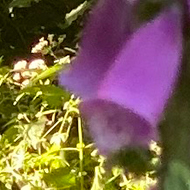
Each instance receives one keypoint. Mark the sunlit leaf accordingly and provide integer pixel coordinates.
(60, 178)
(35, 131)
(22, 3)
(51, 71)
(74, 14)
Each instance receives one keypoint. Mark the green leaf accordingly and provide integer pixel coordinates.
(51, 71)
(22, 3)
(6, 102)
(32, 90)
(1, 59)
(35, 131)
(54, 95)
(60, 178)
(4, 70)
(178, 177)
(2, 186)
(10, 134)
(75, 13)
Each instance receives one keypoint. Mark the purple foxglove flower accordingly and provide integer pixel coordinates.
(134, 92)
(125, 83)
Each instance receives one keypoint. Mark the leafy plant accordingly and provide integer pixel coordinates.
(44, 143)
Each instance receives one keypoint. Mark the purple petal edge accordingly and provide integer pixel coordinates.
(108, 28)
(114, 127)
(144, 75)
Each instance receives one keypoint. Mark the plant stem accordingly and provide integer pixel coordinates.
(81, 144)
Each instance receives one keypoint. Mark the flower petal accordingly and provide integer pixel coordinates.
(135, 91)
(108, 28)
(114, 127)
(145, 72)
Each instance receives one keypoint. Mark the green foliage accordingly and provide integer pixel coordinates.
(60, 176)
(178, 177)
(52, 95)
(43, 141)
(43, 145)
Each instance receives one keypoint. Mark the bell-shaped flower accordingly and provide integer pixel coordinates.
(125, 82)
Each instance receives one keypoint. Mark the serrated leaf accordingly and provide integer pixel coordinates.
(54, 95)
